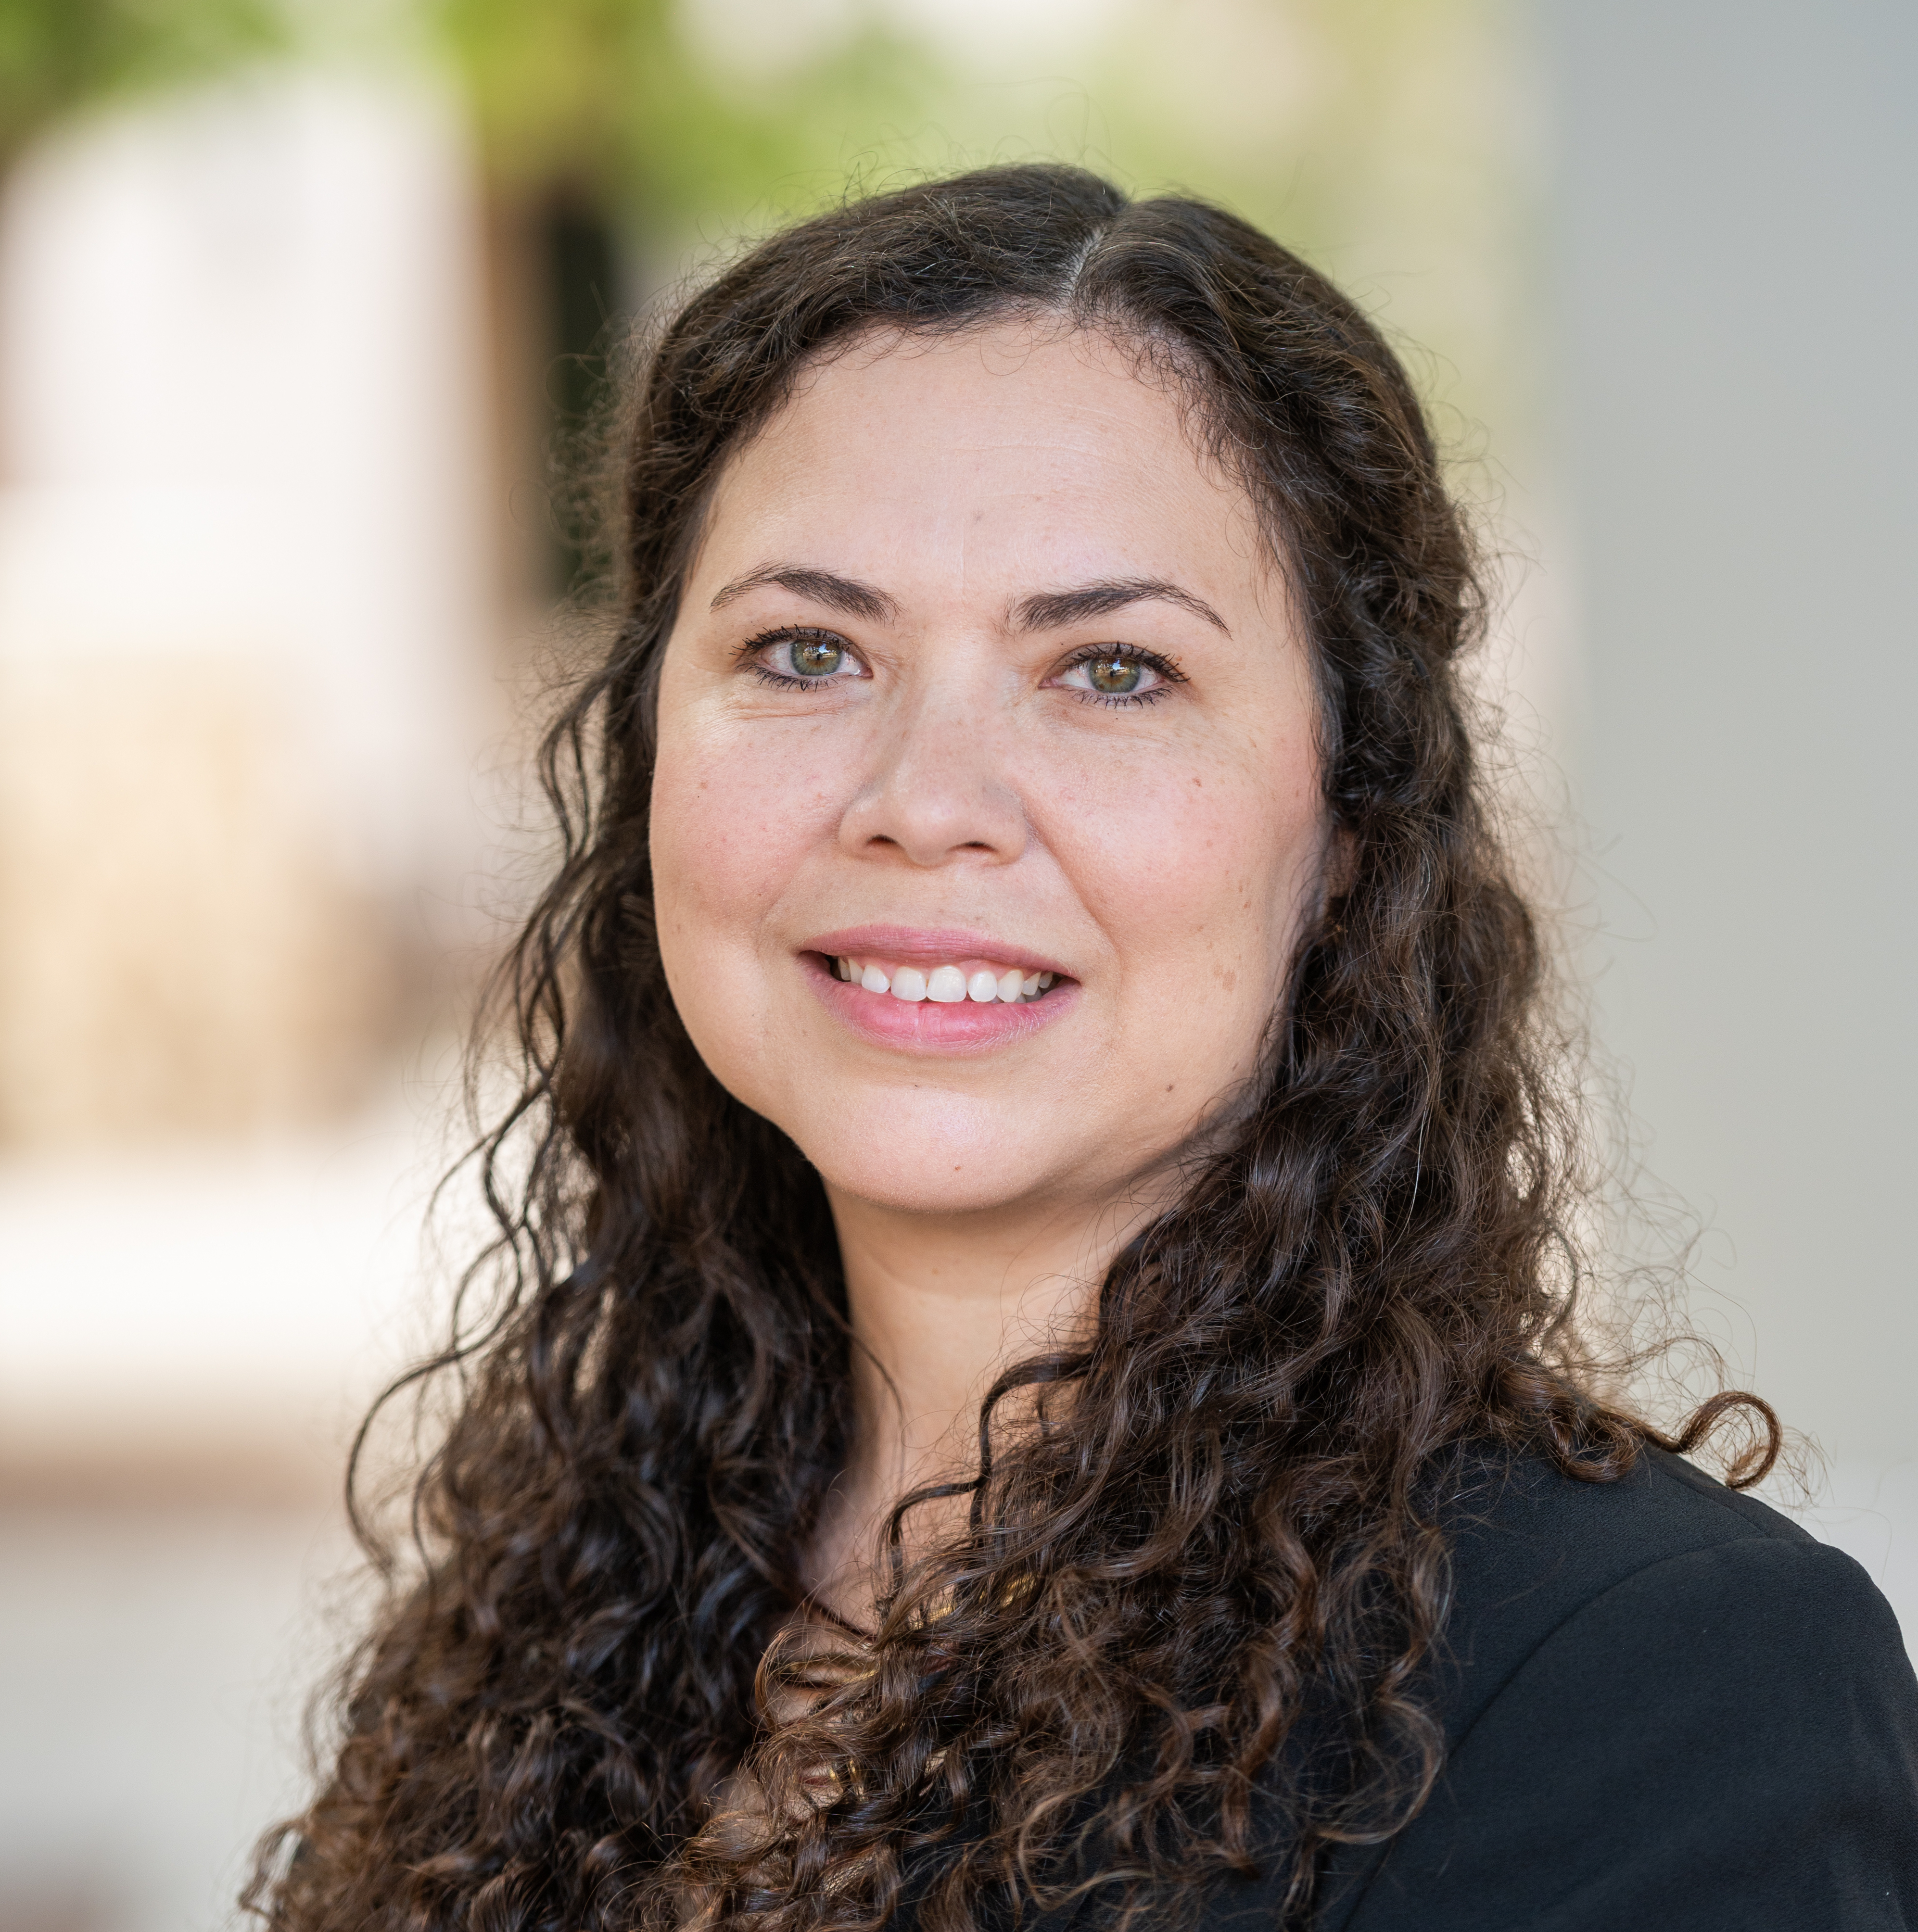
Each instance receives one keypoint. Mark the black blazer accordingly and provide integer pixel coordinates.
(1668, 1709)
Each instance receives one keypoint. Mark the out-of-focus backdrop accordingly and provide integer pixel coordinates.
(296, 303)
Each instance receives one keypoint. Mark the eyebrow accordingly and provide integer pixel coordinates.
(1045, 611)
(822, 586)
(1052, 609)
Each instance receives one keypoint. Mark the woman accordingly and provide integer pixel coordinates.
(1036, 1382)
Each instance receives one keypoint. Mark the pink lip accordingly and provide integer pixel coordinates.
(916, 945)
(926, 1026)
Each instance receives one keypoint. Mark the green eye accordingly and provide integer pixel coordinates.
(1114, 676)
(816, 657)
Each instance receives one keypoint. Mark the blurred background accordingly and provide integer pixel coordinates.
(298, 299)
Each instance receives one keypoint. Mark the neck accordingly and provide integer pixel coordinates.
(941, 1305)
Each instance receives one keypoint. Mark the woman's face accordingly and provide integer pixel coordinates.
(984, 684)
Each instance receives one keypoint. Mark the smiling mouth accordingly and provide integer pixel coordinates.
(978, 981)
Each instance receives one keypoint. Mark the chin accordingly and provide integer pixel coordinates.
(933, 1185)
(939, 1159)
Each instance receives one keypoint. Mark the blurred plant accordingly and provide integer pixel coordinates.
(59, 56)
(615, 99)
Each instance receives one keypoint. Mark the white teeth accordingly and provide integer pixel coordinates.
(946, 985)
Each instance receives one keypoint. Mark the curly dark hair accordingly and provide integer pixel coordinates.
(1208, 1567)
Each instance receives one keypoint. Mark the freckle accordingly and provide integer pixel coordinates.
(1227, 978)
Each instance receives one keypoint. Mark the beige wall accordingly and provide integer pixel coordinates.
(246, 649)
(244, 599)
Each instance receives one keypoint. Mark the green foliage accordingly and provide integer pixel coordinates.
(608, 95)
(57, 56)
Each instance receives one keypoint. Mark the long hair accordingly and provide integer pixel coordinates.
(1183, 1630)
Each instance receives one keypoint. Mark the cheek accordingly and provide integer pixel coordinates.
(1200, 876)
(727, 827)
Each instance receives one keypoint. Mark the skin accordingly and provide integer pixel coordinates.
(959, 771)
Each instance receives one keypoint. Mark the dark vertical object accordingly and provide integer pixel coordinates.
(584, 285)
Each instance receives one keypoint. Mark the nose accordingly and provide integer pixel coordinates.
(937, 789)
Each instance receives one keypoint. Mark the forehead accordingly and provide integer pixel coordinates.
(1012, 452)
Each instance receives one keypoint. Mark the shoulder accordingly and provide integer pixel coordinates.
(1664, 1703)
(1532, 1547)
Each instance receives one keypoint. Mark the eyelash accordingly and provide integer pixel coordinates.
(1169, 673)
(789, 634)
